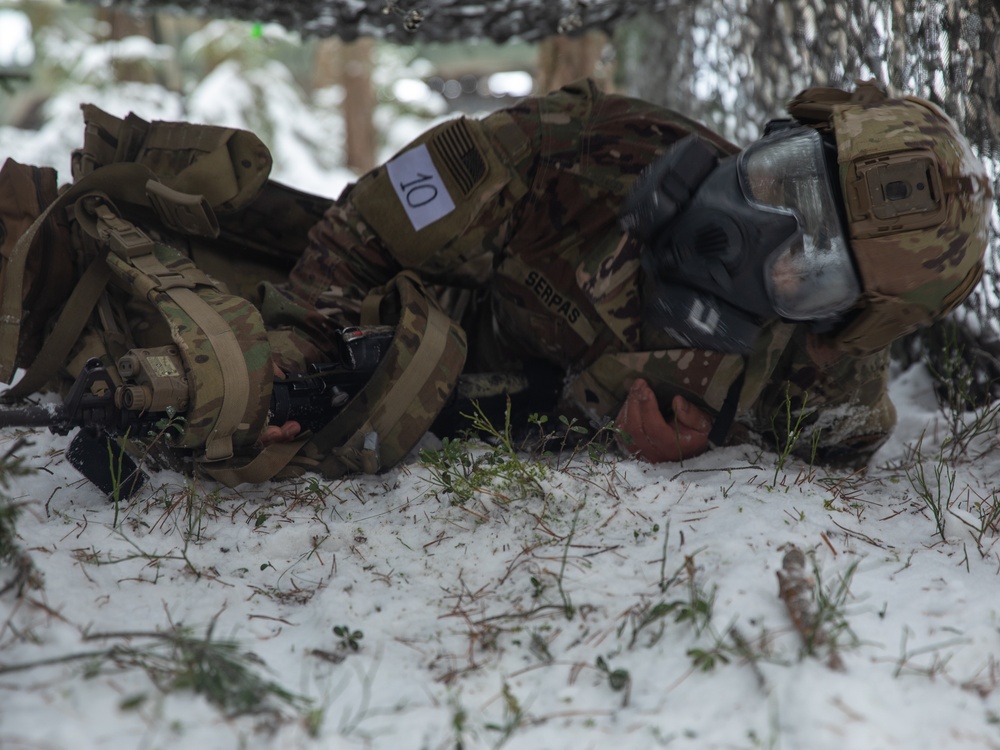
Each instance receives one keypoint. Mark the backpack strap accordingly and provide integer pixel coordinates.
(383, 422)
(180, 291)
(66, 331)
(363, 448)
(11, 312)
(405, 393)
(128, 180)
(261, 468)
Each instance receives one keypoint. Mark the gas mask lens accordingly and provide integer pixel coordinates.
(810, 277)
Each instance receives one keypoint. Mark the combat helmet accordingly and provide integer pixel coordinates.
(917, 202)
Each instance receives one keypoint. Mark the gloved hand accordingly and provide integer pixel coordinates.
(653, 438)
(281, 433)
(278, 433)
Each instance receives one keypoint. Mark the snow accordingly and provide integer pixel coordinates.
(523, 620)
(16, 48)
(491, 618)
(511, 83)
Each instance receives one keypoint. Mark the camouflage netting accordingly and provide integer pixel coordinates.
(735, 65)
(409, 21)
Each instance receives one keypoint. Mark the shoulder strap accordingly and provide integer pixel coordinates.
(180, 291)
(66, 331)
(116, 180)
(392, 412)
(13, 280)
(362, 450)
(407, 390)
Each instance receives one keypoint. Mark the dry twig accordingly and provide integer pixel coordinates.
(797, 590)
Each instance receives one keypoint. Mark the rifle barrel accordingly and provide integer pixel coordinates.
(30, 416)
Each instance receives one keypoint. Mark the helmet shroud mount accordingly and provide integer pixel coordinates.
(917, 202)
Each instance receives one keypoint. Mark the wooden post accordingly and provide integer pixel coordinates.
(564, 59)
(350, 65)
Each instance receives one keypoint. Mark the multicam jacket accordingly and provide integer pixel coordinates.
(515, 217)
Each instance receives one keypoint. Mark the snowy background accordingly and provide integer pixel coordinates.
(604, 603)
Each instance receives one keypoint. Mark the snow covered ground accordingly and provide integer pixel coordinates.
(618, 604)
(602, 604)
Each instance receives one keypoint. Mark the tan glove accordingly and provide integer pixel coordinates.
(654, 439)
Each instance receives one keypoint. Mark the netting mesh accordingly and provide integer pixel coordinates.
(735, 64)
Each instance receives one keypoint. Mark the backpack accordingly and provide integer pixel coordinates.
(148, 264)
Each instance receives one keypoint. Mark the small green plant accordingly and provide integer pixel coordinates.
(216, 669)
(907, 661)
(537, 588)
(817, 607)
(462, 469)
(936, 489)
(313, 492)
(787, 426)
(350, 640)
(961, 400)
(985, 510)
(573, 441)
(116, 461)
(707, 659)
(513, 716)
(618, 679)
(489, 461)
(188, 508)
(568, 609)
(695, 608)
(459, 719)
(11, 551)
(453, 470)
(313, 721)
(725, 646)
(177, 660)
(646, 615)
(698, 608)
(831, 607)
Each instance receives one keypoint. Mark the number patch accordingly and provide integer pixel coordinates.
(419, 187)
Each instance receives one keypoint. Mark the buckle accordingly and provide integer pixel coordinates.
(124, 238)
(165, 281)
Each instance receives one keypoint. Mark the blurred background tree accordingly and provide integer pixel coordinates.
(367, 75)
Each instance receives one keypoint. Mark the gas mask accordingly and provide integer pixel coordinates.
(732, 244)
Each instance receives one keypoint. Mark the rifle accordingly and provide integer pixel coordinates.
(106, 412)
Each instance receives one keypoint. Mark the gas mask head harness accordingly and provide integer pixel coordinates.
(733, 243)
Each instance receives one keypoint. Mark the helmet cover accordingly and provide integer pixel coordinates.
(917, 204)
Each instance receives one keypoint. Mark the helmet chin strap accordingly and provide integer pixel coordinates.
(724, 419)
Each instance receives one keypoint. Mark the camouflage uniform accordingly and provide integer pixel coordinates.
(533, 252)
